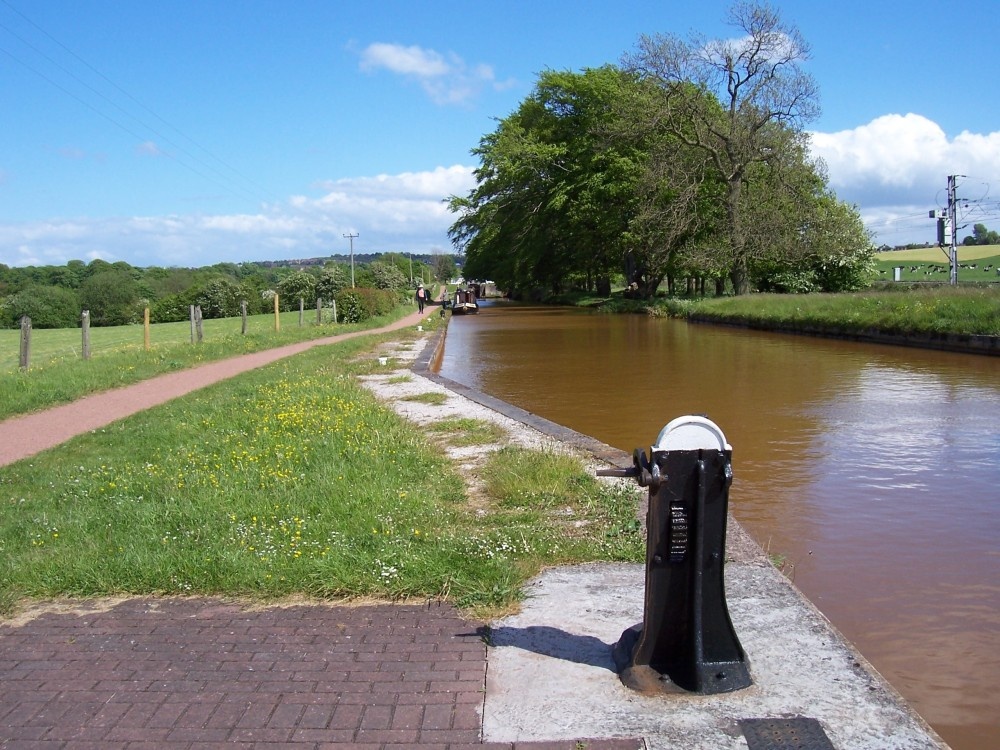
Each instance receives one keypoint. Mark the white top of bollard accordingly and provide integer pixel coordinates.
(691, 433)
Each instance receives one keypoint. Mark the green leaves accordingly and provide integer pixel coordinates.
(554, 193)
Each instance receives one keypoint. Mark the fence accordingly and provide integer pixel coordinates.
(196, 328)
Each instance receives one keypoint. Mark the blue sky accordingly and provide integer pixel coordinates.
(191, 132)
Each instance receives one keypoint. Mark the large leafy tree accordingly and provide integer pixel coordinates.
(554, 192)
(331, 280)
(798, 236)
(982, 236)
(678, 198)
(405, 264)
(759, 93)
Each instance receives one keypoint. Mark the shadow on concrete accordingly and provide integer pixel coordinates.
(554, 642)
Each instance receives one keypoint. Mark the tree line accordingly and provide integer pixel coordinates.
(982, 236)
(687, 161)
(117, 293)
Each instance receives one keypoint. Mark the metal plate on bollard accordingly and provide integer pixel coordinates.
(691, 433)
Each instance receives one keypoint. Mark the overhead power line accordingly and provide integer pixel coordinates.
(227, 182)
(121, 125)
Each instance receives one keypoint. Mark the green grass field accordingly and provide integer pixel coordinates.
(48, 344)
(980, 264)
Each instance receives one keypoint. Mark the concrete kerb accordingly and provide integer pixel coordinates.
(550, 673)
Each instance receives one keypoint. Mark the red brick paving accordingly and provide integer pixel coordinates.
(196, 674)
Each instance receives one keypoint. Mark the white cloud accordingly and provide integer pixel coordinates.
(414, 61)
(441, 181)
(149, 148)
(404, 212)
(895, 169)
(447, 79)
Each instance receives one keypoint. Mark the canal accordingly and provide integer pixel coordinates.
(872, 472)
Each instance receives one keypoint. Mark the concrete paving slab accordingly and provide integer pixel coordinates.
(551, 673)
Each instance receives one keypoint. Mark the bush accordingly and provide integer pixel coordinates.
(112, 298)
(173, 308)
(387, 276)
(295, 286)
(788, 281)
(47, 306)
(358, 304)
(220, 298)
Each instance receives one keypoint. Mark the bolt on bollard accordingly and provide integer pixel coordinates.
(686, 640)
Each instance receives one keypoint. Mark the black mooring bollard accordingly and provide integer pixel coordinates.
(686, 639)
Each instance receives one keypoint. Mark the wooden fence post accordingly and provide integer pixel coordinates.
(145, 328)
(85, 328)
(319, 310)
(277, 319)
(25, 342)
(197, 322)
(334, 310)
(243, 315)
(302, 311)
(191, 316)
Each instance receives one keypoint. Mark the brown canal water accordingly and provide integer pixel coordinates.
(874, 471)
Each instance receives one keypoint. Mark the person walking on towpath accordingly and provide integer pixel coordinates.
(421, 297)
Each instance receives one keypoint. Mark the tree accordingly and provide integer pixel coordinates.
(221, 298)
(47, 306)
(387, 276)
(295, 286)
(554, 193)
(982, 236)
(112, 296)
(444, 267)
(404, 263)
(679, 199)
(331, 280)
(172, 308)
(763, 93)
(363, 277)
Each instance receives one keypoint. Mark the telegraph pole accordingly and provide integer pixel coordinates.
(351, 238)
(953, 221)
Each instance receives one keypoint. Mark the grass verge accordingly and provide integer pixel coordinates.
(293, 480)
(962, 310)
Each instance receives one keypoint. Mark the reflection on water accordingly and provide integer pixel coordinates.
(874, 470)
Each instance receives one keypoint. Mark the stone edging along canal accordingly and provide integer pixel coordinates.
(801, 664)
